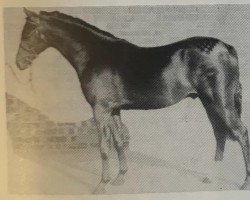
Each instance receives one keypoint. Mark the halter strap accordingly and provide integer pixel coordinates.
(29, 50)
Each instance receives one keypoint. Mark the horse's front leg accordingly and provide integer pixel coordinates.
(103, 118)
(121, 141)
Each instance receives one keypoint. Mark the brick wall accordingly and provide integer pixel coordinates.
(29, 129)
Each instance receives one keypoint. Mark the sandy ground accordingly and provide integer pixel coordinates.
(180, 159)
(50, 174)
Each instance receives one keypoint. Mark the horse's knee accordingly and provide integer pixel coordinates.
(125, 132)
(105, 141)
(124, 136)
(120, 136)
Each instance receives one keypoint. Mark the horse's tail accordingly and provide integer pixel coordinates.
(238, 89)
(238, 99)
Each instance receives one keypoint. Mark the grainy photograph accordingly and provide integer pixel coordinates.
(127, 99)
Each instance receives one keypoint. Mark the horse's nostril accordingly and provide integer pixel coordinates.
(27, 60)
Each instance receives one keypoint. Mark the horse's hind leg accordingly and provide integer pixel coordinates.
(219, 131)
(238, 99)
(241, 134)
(243, 139)
(211, 92)
(121, 138)
(223, 108)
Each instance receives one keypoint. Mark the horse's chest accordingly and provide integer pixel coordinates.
(103, 87)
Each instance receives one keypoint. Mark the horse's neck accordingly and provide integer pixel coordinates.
(74, 51)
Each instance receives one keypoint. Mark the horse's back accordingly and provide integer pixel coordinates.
(156, 77)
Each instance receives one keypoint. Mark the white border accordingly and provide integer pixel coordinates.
(72, 3)
(228, 195)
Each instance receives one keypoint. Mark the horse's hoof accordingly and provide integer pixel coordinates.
(119, 180)
(206, 180)
(99, 190)
(245, 186)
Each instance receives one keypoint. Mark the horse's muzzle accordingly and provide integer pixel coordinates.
(22, 63)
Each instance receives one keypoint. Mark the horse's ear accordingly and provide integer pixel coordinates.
(31, 15)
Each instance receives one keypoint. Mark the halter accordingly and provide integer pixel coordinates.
(30, 50)
(32, 54)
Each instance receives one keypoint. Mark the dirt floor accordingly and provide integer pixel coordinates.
(181, 159)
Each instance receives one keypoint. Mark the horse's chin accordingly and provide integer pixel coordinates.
(23, 66)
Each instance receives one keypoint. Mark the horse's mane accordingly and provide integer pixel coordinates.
(79, 22)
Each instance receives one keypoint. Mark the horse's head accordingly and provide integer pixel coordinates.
(33, 41)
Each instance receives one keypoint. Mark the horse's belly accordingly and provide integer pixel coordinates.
(158, 98)
(143, 103)
(162, 89)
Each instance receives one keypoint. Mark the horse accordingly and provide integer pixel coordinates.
(117, 75)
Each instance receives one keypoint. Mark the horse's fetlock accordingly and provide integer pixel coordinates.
(106, 180)
(244, 137)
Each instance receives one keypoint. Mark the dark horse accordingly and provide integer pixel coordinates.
(115, 74)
